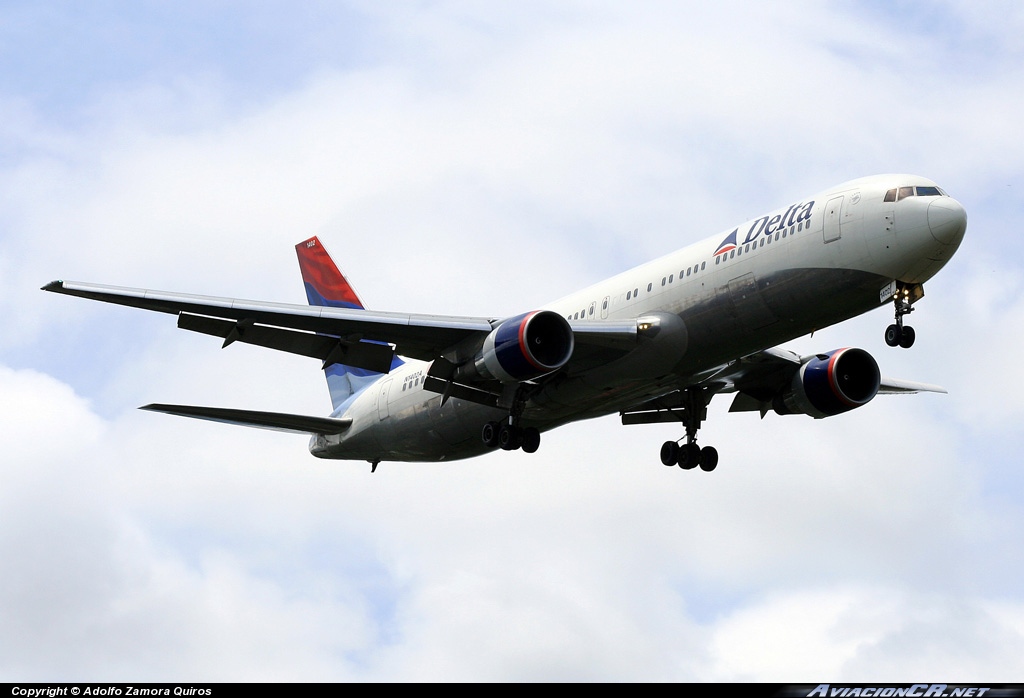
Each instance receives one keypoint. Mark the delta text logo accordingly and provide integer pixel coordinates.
(766, 225)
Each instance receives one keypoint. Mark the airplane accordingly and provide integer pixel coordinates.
(654, 343)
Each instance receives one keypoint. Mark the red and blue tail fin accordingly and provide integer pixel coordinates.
(327, 286)
(324, 282)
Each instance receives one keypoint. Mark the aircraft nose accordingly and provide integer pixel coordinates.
(947, 220)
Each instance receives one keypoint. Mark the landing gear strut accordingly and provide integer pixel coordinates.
(689, 455)
(898, 334)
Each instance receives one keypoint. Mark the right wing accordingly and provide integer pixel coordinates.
(755, 379)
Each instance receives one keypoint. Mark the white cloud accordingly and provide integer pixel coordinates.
(867, 634)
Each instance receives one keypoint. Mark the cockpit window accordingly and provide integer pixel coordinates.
(904, 192)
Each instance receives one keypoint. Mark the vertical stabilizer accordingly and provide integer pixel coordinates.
(327, 286)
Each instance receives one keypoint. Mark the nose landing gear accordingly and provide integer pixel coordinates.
(898, 334)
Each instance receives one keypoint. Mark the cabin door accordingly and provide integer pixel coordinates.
(833, 211)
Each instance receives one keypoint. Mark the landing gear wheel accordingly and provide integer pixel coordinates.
(892, 335)
(509, 438)
(708, 458)
(530, 439)
(907, 337)
(689, 456)
(669, 453)
(489, 434)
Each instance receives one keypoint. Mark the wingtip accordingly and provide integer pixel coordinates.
(55, 286)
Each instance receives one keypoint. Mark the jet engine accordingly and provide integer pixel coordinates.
(525, 347)
(829, 384)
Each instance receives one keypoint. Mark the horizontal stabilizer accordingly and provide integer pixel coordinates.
(276, 421)
(330, 350)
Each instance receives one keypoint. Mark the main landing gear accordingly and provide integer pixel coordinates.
(509, 437)
(507, 434)
(898, 334)
(689, 455)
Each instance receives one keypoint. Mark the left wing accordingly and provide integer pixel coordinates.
(335, 335)
(418, 336)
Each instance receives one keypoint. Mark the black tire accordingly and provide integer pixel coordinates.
(489, 434)
(530, 440)
(908, 337)
(689, 456)
(670, 453)
(509, 438)
(892, 335)
(708, 458)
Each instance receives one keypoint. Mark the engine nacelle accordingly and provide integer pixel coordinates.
(525, 347)
(832, 383)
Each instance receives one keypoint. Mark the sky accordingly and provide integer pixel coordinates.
(485, 159)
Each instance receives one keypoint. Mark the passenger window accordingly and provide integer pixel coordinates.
(664, 281)
(670, 277)
(687, 272)
(890, 195)
(702, 265)
(649, 287)
(904, 193)
(636, 292)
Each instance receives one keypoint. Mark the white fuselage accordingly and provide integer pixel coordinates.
(811, 264)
